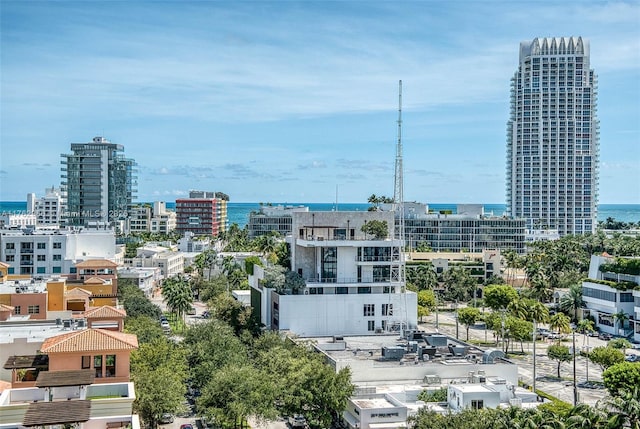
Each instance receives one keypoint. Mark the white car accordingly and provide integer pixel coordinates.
(297, 421)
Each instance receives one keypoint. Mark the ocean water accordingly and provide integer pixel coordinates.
(239, 212)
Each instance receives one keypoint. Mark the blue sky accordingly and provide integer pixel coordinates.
(284, 101)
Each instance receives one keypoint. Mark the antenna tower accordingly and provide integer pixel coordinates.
(398, 267)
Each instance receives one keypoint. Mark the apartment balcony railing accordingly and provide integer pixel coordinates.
(347, 280)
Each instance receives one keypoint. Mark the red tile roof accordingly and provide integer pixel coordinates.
(89, 340)
(96, 263)
(105, 311)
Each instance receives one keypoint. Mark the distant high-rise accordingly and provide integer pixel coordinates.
(552, 137)
(203, 213)
(98, 181)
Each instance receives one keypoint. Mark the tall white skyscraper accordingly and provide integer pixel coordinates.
(552, 137)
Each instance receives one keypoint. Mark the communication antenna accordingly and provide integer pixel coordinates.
(398, 274)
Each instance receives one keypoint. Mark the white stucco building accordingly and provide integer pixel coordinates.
(171, 263)
(54, 251)
(352, 281)
(607, 292)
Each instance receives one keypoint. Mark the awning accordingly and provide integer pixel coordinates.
(27, 361)
(56, 413)
(390, 425)
(78, 377)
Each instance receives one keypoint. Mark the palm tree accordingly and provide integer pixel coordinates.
(560, 323)
(620, 317)
(624, 410)
(584, 416)
(572, 301)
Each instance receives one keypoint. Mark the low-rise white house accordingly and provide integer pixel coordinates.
(352, 281)
(147, 279)
(609, 293)
(171, 263)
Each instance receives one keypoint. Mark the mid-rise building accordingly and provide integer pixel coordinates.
(552, 137)
(163, 221)
(98, 181)
(45, 252)
(203, 213)
(271, 219)
(48, 208)
(610, 294)
(171, 263)
(352, 281)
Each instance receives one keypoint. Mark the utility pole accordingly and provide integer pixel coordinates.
(575, 387)
(535, 331)
(456, 319)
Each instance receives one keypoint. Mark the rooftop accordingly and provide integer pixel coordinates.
(87, 340)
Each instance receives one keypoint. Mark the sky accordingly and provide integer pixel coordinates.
(292, 101)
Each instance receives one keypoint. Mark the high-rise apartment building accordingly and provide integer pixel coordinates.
(552, 137)
(203, 213)
(99, 182)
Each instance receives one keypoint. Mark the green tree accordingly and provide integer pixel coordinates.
(572, 301)
(177, 294)
(560, 353)
(146, 329)
(439, 395)
(621, 376)
(606, 357)
(518, 330)
(249, 263)
(426, 302)
(423, 276)
(379, 229)
(240, 318)
(560, 323)
(459, 285)
(619, 343)
(159, 371)
(274, 278)
(624, 409)
(499, 297)
(620, 318)
(294, 282)
(468, 316)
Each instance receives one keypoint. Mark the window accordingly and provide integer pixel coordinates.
(389, 289)
(364, 289)
(97, 365)
(33, 309)
(57, 270)
(57, 245)
(110, 366)
(42, 246)
(387, 309)
(341, 290)
(10, 246)
(16, 309)
(86, 362)
(371, 325)
(477, 404)
(42, 258)
(42, 270)
(369, 310)
(57, 257)
(10, 258)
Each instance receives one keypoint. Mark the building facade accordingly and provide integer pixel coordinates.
(45, 252)
(610, 295)
(203, 213)
(553, 136)
(351, 283)
(271, 219)
(48, 208)
(98, 181)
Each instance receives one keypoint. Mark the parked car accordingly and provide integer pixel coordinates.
(205, 314)
(192, 311)
(630, 357)
(166, 418)
(297, 421)
(186, 426)
(604, 336)
(593, 333)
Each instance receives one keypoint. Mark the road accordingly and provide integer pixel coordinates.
(546, 369)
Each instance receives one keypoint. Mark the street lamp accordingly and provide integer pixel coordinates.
(535, 331)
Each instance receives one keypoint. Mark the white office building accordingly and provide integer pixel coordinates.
(609, 291)
(46, 252)
(49, 208)
(352, 284)
(552, 137)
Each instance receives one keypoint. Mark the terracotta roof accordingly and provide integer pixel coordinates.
(96, 263)
(77, 291)
(89, 340)
(74, 377)
(59, 412)
(95, 281)
(105, 311)
(4, 307)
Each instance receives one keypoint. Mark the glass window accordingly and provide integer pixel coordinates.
(341, 290)
(57, 270)
(42, 245)
(17, 309)
(86, 362)
(477, 404)
(371, 325)
(369, 310)
(364, 289)
(33, 309)
(10, 246)
(110, 366)
(387, 309)
(97, 365)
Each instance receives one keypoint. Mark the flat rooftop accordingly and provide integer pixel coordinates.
(373, 403)
(32, 332)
